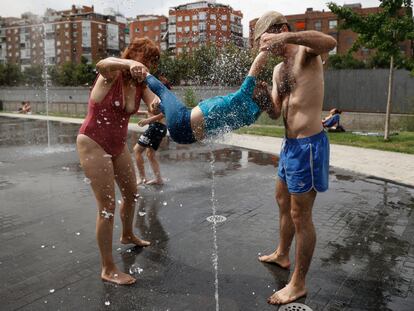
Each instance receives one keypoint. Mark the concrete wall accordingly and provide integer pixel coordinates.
(362, 94)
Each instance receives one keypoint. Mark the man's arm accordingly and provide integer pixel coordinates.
(317, 43)
(259, 63)
(277, 102)
(151, 119)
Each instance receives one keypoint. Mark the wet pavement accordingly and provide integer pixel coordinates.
(364, 257)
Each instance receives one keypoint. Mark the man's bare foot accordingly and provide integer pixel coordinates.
(287, 294)
(132, 239)
(276, 258)
(155, 181)
(117, 277)
(141, 181)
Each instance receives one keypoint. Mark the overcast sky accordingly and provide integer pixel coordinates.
(130, 8)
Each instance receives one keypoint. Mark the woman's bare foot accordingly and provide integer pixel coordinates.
(276, 258)
(141, 181)
(287, 294)
(132, 239)
(155, 181)
(117, 277)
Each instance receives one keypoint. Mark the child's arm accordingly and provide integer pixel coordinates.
(151, 119)
(142, 113)
(259, 63)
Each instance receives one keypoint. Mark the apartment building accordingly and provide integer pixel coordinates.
(204, 22)
(153, 27)
(327, 23)
(62, 36)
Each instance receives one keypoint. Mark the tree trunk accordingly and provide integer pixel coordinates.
(389, 99)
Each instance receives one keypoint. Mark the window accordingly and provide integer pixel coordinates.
(100, 26)
(300, 25)
(224, 27)
(156, 28)
(66, 33)
(212, 27)
(58, 51)
(66, 25)
(194, 28)
(212, 38)
(224, 17)
(202, 26)
(179, 29)
(187, 29)
(145, 28)
(172, 19)
(213, 16)
(57, 43)
(16, 30)
(172, 39)
(57, 26)
(202, 16)
(179, 50)
(194, 17)
(187, 18)
(171, 29)
(318, 25)
(179, 19)
(75, 25)
(333, 24)
(75, 34)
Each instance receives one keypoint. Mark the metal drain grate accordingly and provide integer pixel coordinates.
(216, 219)
(295, 307)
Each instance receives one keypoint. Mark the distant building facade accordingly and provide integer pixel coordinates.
(327, 22)
(153, 27)
(205, 22)
(62, 36)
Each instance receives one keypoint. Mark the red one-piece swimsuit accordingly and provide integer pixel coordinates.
(107, 122)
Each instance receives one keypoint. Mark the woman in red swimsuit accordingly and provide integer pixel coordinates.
(102, 148)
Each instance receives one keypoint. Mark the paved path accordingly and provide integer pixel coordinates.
(398, 167)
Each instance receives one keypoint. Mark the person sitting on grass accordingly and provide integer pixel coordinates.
(25, 108)
(150, 140)
(331, 122)
(214, 115)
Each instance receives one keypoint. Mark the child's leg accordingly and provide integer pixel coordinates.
(138, 150)
(177, 116)
(155, 168)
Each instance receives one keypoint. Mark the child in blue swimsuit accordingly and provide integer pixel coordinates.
(217, 114)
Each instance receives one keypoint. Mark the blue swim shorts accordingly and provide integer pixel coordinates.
(304, 163)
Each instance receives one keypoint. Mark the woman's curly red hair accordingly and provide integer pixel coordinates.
(149, 50)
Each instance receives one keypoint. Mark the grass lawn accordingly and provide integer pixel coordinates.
(403, 142)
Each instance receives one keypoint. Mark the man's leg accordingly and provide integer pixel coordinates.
(286, 228)
(138, 150)
(301, 212)
(155, 168)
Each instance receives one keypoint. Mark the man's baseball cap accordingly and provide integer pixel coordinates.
(266, 20)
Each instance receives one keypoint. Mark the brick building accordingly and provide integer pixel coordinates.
(64, 36)
(327, 23)
(194, 24)
(153, 27)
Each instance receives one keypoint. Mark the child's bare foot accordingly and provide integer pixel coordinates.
(276, 258)
(287, 294)
(141, 181)
(155, 181)
(132, 239)
(117, 277)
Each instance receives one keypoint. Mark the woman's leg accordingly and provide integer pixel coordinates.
(99, 170)
(126, 180)
(138, 150)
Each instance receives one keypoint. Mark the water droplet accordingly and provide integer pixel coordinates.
(87, 181)
(45, 301)
(119, 201)
(142, 214)
(118, 249)
(107, 156)
(65, 168)
(53, 246)
(107, 303)
(42, 246)
(77, 233)
(216, 219)
(181, 205)
(108, 123)
(253, 293)
(99, 122)
(51, 291)
(134, 269)
(117, 103)
(164, 203)
(71, 251)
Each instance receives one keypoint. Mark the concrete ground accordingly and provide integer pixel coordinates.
(364, 258)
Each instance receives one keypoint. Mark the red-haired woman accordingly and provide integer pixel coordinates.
(103, 153)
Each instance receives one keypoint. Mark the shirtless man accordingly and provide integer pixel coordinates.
(298, 88)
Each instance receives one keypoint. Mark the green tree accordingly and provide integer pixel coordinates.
(10, 74)
(346, 61)
(382, 31)
(33, 75)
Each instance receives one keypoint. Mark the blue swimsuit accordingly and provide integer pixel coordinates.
(221, 113)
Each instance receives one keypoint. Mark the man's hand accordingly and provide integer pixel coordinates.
(273, 42)
(143, 122)
(138, 71)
